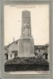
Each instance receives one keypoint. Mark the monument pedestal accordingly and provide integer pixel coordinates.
(26, 47)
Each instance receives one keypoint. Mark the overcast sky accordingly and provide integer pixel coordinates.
(39, 23)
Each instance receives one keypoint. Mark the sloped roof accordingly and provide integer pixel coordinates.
(11, 44)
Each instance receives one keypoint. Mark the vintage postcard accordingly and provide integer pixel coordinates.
(26, 39)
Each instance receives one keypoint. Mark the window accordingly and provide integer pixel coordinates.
(15, 53)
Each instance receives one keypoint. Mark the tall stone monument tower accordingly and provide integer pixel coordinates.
(26, 42)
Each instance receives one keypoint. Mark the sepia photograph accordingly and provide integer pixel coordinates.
(26, 39)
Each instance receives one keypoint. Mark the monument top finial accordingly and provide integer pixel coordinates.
(26, 13)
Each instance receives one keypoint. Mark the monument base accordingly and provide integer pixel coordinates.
(26, 48)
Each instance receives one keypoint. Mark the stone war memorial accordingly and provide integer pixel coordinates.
(22, 54)
(26, 41)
